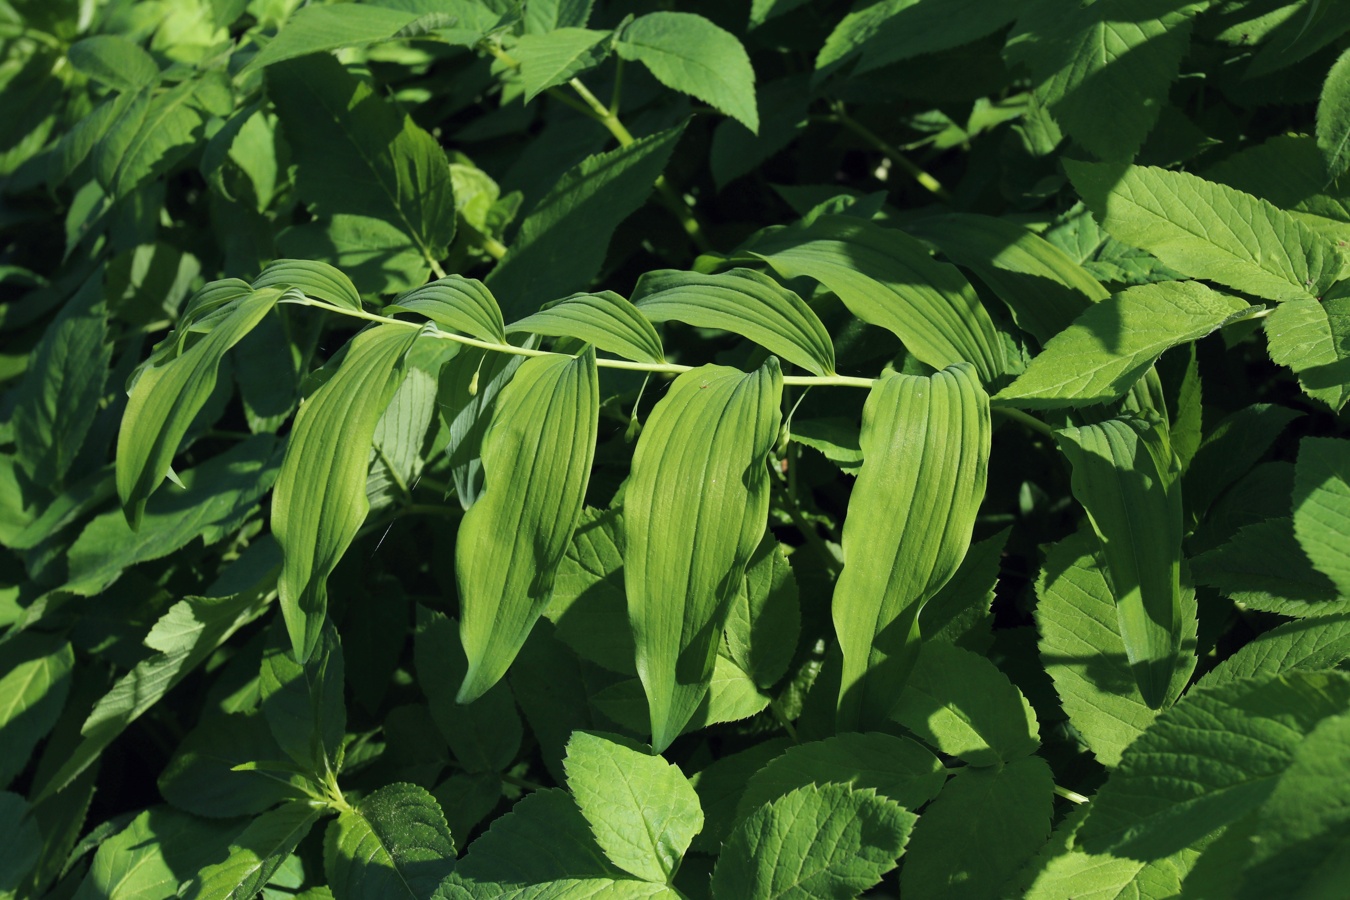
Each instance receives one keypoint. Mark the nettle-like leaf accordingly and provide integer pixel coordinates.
(1322, 507)
(115, 61)
(604, 319)
(303, 702)
(393, 843)
(1312, 338)
(536, 461)
(315, 29)
(1320, 643)
(884, 33)
(686, 551)
(320, 498)
(925, 444)
(551, 58)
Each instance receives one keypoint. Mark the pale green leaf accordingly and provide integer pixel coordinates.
(561, 244)
(320, 498)
(23, 844)
(925, 444)
(552, 58)
(35, 675)
(315, 29)
(151, 857)
(960, 703)
(686, 550)
(733, 695)
(604, 319)
(548, 15)
(835, 438)
(173, 388)
(537, 458)
(1313, 339)
(979, 832)
(458, 303)
(1043, 287)
(1082, 651)
(641, 808)
(1317, 643)
(817, 841)
(255, 854)
(894, 767)
(1333, 119)
(687, 53)
(1123, 477)
(394, 843)
(467, 392)
(312, 278)
(1322, 507)
(378, 256)
(1109, 348)
(115, 61)
(742, 302)
(887, 278)
(720, 786)
(303, 703)
(1208, 230)
(1067, 873)
(1208, 761)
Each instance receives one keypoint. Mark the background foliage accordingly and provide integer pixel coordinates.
(568, 449)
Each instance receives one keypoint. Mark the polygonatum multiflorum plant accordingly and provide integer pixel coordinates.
(466, 449)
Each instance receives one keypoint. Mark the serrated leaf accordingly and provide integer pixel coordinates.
(547, 15)
(604, 319)
(1263, 567)
(172, 389)
(255, 854)
(886, 278)
(1322, 507)
(641, 808)
(312, 278)
(817, 841)
(1333, 119)
(960, 703)
(960, 613)
(979, 832)
(303, 702)
(1231, 448)
(742, 302)
(687, 53)
(1064, 872)
(467, 391)
(1123, 477)
(894, 767)
(146, 137)
(458, 303)
(1313, 339)
(315, 29)
(720, 786)
(561, 244)
(1208, 230)
(115, 61)
(320, 498)
(925, 444)
(1082, 651)
(379, 256)
(686, 551)
(1208, 761)
(152, 856)
(765, 619)
(1319, 643)
(588, 605)
(1109, 348)
(394, 843)
(537, 458)
(551, 58)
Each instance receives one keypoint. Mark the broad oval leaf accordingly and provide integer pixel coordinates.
(888, 279)
(170, 392)
(1123, 475)
(393, 844)
(604, 319)
(320, 498)
(925, 444)
(312, 278)
(458, 303)
(686, 549)
(536, 464)
(743, 302)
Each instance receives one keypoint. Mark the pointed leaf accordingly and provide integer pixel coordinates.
(536, 463)
(393, 844)
(458, 303)
(604, 319)
(687, 550)
(303, 703)
(35, 675)
(743, 302)
(151, 857)
(255, 854)
(1313, 339)
(1320, 643)
(115, 61)
(1333, 119)
(925, 444)
(1322, 507)
(314, 279)
(320, 498)
(315, 29)
(552, 58)
(23, 847)
(765, 619)
(146, 138)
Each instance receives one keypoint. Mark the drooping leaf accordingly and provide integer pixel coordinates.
(315, 29)
(1333, 119)
(1322, 507)
(552, 58)
(458, 303)
(35, 675)
(1208, 230)
(925, 444)
(642, 810)
(887, 278)
(312, 278)
(1313, 339)
(394, 843)
(320, 498)
(687, 53)
(817, 841)
(604, 319)
(114, 61)
(1123, 476)
(537, 458)
(686, 551)
(561, 244)
(255, 854)
(303, 702)
(1109, 348)
(743, 302)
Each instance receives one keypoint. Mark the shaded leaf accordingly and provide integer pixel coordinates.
(394, 843)
(255, 854)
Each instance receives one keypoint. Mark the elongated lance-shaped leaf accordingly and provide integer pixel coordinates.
(257, 852)
(1123, 475)
(458, 303)
(536, 464)
(604, 319)
(169, 394)
(320, 499)
(313, 278)
(744, 302)
(887, 278)
(694, 511)
(925, 444)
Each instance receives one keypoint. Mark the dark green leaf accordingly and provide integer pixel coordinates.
(394, 843)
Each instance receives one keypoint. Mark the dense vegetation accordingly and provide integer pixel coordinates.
(565, 449)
